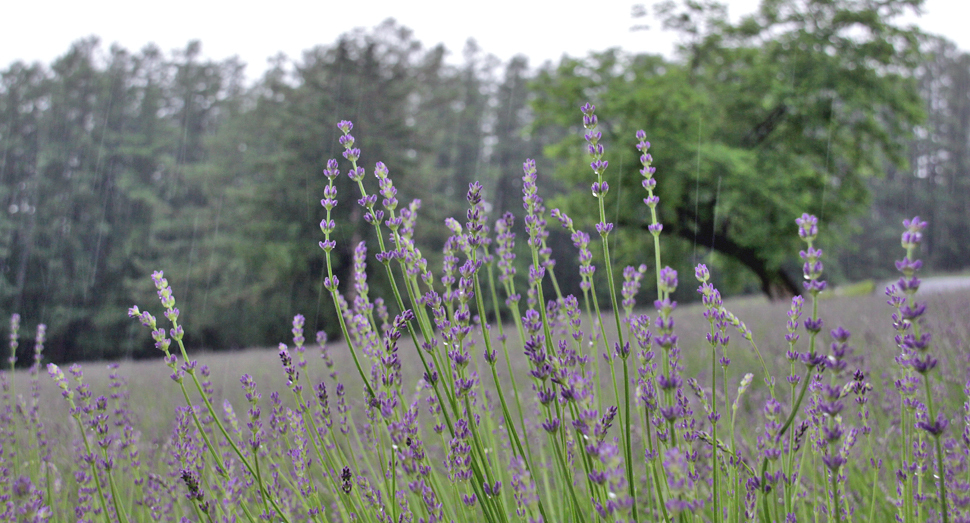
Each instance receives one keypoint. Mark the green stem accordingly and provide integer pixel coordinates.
(94, 470)
(784, 428)
(115, 494)
(872, 497)
(222, 429)
(625, 419)
(835, 495)
(655, 472)
(714, 420)
(508, 363)
(940, 472)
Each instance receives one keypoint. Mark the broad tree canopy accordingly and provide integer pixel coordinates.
(787, 111)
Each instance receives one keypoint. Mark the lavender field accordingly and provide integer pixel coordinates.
(434, 407)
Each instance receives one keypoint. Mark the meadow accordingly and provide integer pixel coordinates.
(556, 409)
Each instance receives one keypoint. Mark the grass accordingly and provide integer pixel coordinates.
(153, 397)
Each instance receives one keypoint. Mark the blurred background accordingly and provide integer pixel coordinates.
(192, 141)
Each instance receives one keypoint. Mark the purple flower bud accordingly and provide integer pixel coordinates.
(908, 286)
(807, 226)
(352, 154)
(668, 279)
(564, 220)
(604, 228)
(908, 266)
(551, 426)
(831, 408)
(911, 342)
(672, 412)
(832, 434)
(812, 360)
(923, 364)
(545, 395)
(812, 325)
(833, 461)
(913, 234)
(355, 174)
(913, 312)
(702, 273)
(814, 286)
(935, 428)
(840, 334)
(331, 171)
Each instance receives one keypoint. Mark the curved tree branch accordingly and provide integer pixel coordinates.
(756, 136)
(775, 283)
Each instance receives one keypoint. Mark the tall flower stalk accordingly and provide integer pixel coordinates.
(622, 349)
(915, 346)
(163, 342)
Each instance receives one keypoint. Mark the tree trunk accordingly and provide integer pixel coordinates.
(775, 283)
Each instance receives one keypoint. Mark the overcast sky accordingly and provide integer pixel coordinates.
(41, 30)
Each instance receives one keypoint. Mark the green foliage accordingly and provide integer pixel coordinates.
(788, 110)
(936, 186)
(99, 182)
(271, 156)
(113, 164)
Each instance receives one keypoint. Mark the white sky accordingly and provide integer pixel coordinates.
(41, 30)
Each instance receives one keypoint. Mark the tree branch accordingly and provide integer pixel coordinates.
(756, 136)
(776, 284)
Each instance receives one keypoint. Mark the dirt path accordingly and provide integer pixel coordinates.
(938, 284)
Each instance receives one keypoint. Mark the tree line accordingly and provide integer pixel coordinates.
(115, 163)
